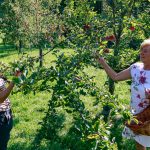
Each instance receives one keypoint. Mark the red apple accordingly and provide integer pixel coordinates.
(132, 28)
(18, 73)
(86, 27)
(110, 38)
(101, 44)
(106, 50)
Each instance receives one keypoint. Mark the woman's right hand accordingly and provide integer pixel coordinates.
(17, 77)
(147, 93)
(101, 60)
(17, 73)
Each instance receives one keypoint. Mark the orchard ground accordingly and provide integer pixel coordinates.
(28, 110)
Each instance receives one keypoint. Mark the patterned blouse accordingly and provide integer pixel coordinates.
(140, 92)
(6, 104)
(140, 87)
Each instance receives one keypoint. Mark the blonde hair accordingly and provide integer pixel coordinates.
(145, 43)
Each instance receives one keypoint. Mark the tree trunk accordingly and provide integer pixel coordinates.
(20, 46)
(111, 86)
(40, 56)
(98, 6)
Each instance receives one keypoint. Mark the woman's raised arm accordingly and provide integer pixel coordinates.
(5, 93)
(123, 75)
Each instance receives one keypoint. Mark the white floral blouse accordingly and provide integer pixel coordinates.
(6, 104)
(140, 88)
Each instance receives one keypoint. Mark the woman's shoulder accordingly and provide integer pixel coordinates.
(137, 66)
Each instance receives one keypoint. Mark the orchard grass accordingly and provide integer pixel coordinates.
(29, 110)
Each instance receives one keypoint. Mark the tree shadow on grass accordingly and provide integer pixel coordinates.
(46, 138)
(4, 48)
(48, 133)
(7, 51)
(4, 55)
(24, 146)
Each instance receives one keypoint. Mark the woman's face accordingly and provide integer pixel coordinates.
(145, 54)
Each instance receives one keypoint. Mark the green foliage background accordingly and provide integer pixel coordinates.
(64, 100)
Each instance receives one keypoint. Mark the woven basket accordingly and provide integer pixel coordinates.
(143, 125)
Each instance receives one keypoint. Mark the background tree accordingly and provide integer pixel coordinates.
(11, 25)
(35, 24)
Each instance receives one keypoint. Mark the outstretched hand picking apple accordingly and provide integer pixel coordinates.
(99, 57)
(17, 77)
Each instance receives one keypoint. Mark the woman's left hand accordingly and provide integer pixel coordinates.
(147, 93)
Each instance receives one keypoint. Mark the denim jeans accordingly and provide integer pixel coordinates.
(6, 123)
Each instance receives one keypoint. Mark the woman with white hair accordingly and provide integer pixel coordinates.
(140, 89)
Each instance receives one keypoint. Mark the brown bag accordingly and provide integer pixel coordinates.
(143, 125)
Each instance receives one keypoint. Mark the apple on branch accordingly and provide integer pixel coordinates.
(106, 50)
(86, 27)
(17, 72)
(132, 28)
(110, 38)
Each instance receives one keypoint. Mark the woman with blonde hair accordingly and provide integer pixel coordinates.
(139, 73)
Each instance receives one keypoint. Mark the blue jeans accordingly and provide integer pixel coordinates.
(6, 123)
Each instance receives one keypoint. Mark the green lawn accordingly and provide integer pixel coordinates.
(29, 109)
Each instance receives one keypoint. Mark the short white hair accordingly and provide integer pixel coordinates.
(145, 43)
